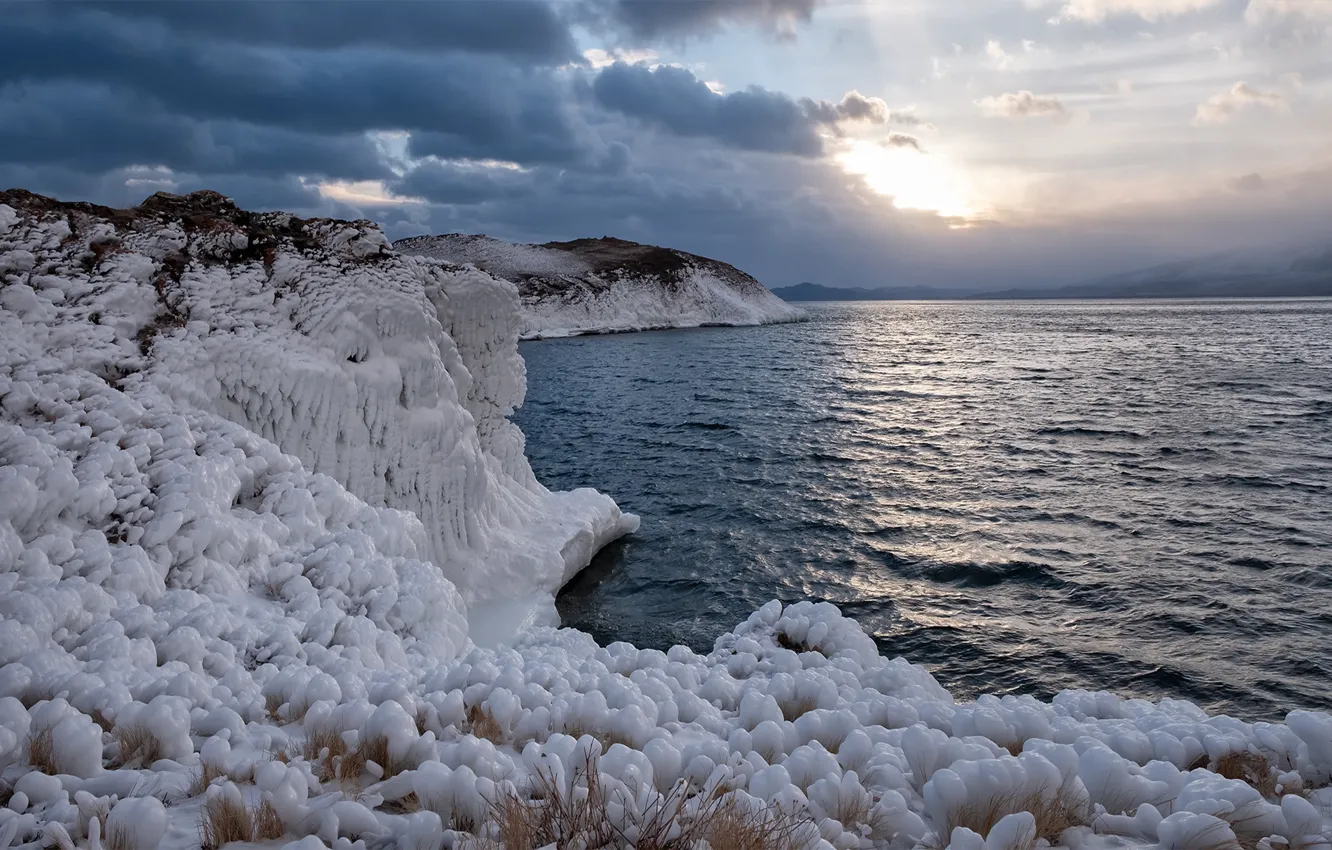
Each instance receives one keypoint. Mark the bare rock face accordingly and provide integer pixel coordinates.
(610, 285)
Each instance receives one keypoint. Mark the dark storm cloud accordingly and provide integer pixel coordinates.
(529, 30)
(673, 98)
(649, 19)
(464, 184)
(478, 101)
(754, 119)
(93, 127)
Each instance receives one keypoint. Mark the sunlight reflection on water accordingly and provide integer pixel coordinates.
(1023, 496)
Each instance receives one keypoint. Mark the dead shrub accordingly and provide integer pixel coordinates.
(273, 707)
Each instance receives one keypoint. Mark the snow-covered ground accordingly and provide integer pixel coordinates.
(610, 286)
(258, 495)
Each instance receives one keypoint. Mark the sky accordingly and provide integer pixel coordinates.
(980, 144)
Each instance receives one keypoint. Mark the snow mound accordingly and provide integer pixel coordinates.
(611, 285)
(207, 632)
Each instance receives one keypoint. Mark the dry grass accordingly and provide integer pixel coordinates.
(136, 746)
(679, 820)
(483, 724)
(273, 707)
(92, 813)
(797, 707)
(224, 820)
(99, 717)
(41, 751)
(119, 838)
(324, 749)
(1053, 814)
(403, 805)
(1252, 768)
(201, 780)
(267, 824)
(373, 749)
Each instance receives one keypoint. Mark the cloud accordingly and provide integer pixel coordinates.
(999, 57)
(600, 58)
(754, 119)
(902, 140)
(467, 102)
(857, 107)
(1097, 11)
(530, 30)
(1022, 105)
(1249, 183)
(1220, 108)
(654, 19)
(1265, 11)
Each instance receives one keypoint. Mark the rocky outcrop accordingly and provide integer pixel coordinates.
(611, 285)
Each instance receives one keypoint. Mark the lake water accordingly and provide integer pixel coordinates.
(1024, 497)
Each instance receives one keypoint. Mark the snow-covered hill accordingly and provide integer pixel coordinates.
(610, 285)
(257, 493)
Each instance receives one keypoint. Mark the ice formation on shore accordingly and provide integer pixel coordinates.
(594, 286)
(225, 615)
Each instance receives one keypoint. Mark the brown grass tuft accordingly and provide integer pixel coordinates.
(324, 749)
(730, 827)
(797, 707)
(268, 825)
(373, 749)
(136, 746)
(1053, 814)
(99, 717)
(483, 724)
(119, 838)
(1252, 768)
(785, 642)
(224, 820)
(41, 751)
(204, 778)
(402, 805)
(273, 707)
(681, 819)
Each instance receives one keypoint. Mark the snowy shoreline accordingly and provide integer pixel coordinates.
(260, 497)
(605, 286)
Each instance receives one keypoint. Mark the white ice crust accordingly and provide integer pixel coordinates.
(611, 304)
(271, 518)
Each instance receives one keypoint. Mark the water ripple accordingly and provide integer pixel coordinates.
(1023, 497)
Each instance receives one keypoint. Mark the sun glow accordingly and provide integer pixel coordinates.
(914, 180)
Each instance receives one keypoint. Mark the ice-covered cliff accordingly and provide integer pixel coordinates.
(223, 621)
(610, 285)
(391, 375)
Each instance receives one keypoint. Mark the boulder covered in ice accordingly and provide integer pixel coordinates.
(611, 285)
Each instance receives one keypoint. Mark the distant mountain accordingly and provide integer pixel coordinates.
(1274, 273)
(609, 285)
(1286, 272)
(819, 292)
